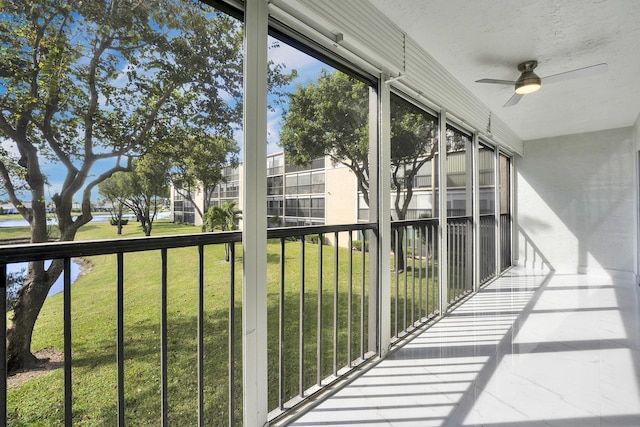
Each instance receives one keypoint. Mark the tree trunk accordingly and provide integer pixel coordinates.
(146, 226)
(31, 297)
(120, 219)
(39, 280)
(401, 214)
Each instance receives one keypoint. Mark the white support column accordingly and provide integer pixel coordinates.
(470, 202)
(254, 231)
(496, 185)
(476, 210)
(383, 202)
(512, 207)
(510, 179)
(443, 254)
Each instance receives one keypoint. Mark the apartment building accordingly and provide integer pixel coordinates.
(326, 193)
(296, 195)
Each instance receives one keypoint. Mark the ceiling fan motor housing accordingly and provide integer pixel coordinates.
(528, 81)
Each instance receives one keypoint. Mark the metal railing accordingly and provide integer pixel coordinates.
(320, 305)
(323, 313)
(119, 247)
(335, 306)
(460, 265)
(505, 241)
(422, 181)
(487, 247)
(414, 282)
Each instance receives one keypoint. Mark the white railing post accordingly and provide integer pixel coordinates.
(383, 207)
(443, 253)
(254, 230)
(476, 210)
(498, 227)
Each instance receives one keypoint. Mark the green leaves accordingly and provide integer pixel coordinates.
(139, 189)
(330, 118)
(224, 217)
(413, 131)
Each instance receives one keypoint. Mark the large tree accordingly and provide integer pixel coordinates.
(330, 117)
(143, 190)
(148, 188)
(90, 84)
(115, 191)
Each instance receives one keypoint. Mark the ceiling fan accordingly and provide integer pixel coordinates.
(529, 82)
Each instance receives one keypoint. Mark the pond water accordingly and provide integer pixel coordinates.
(58, 286)
(75, 268)
(23, 222)
(96, 218)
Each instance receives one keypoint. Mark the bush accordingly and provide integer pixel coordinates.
(313, 238)
(123, 221)
(357, 246)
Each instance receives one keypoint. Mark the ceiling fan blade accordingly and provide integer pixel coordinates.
(496, 81)
(513, 100)
(592, 70)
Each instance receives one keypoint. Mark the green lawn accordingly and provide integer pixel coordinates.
(14, 232)
(39, 401)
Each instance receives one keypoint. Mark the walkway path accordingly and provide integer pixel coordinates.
(531, 349)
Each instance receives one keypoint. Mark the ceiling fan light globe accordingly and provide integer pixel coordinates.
(527, 88)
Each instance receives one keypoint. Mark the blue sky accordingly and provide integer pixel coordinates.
(308, 69)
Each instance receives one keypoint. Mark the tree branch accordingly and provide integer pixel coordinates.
(7, 129)
(89, 117)
(13, 197)
(86, 216)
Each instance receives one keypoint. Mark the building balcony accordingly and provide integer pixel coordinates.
(530, 347)
(323, 310)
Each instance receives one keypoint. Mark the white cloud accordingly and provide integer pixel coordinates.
(274, 125)
(53, 188)
(10, 147)
(291, 57)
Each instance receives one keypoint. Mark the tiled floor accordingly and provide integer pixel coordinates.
(531, 349)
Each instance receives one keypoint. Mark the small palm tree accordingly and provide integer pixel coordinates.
(223, 218)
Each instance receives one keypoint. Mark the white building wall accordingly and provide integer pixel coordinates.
(576, 202)
(341, 197)
(636, 139)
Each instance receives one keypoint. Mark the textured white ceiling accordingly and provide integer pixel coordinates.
(477, 39)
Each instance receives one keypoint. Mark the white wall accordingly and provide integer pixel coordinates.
(576, 202)
(636, 138)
